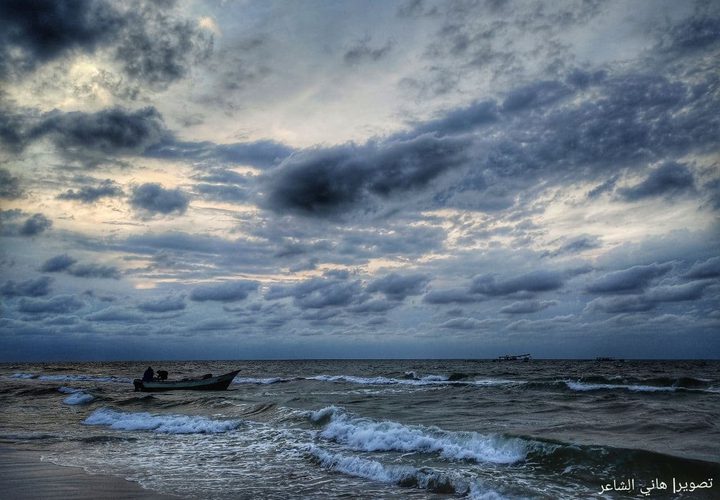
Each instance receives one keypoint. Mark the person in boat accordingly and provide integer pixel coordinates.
(148, 375)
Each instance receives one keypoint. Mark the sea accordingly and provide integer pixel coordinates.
(479, 429)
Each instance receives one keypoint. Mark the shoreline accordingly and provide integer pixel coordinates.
(24, 476)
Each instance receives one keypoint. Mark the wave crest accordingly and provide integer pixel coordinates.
(368, 435)
(167, 424)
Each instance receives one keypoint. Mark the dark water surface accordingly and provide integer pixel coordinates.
(380, 429)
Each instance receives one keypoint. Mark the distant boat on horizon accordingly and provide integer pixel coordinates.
(514, 357)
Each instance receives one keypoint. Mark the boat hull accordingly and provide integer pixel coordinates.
(219, 383)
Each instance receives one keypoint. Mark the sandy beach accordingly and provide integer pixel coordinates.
(23, 475)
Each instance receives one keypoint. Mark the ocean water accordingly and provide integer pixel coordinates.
(381, 429)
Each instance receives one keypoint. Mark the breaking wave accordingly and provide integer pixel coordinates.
(76, 397)
(411, 378)
(658, 384)
(400, 475)
(261, 381)
(362, 434)
(166, 424)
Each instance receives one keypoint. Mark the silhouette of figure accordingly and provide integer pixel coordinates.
(148, 375)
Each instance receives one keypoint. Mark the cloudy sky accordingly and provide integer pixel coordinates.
(260, 179)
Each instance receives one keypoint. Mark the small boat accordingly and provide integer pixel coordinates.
(206, 383)
(514, 357)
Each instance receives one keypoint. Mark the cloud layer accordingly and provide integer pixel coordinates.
(426, 178)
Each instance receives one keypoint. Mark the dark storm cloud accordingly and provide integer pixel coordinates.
(29, 288)
(704, 270)
(629, 280)
(527, 306)
(90, 194)
(87, 137)
(318, 293)
(395, 239)
(616, 305)
(459, 120)
(693, 34)
(150, 43)
(535, 95)
(10, 188)
(59, 304)
(451, 296)
(57, 263)
(120, 131)
(667, 180)
(677, 293)
(397, 287)
(109, 131)
(34, 225)
(323, 182)
(712, 191)
(94, 271)
(112, 314)
(535, 281)
(261, 154)
(230, 291)
(157, 48)
(33, 32)
(67, 264)
(153, 198)
(163, 305)
(649, 300)
(545, 133)
(631, 118)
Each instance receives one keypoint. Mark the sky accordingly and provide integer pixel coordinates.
(359, 179)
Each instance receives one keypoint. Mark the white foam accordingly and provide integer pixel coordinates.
(396, 474)
(323, 413)
(367, 435)
(479, 493)
(250, 380)
(497, 381)
(24, 375)
(582, 386)
(360, 467)
(360, 380)
(426, 380)
(167, 424)
(79, 398)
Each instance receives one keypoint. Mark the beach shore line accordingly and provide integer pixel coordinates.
(24, 476)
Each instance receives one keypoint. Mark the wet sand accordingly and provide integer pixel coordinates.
(24, 476)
